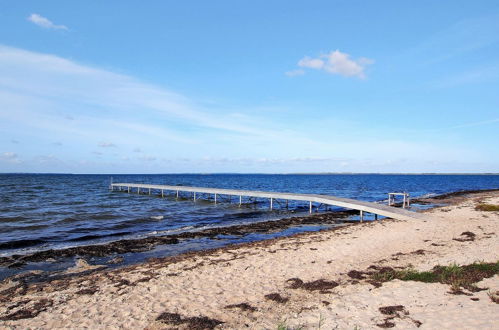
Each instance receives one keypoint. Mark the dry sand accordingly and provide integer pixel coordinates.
(195, 289)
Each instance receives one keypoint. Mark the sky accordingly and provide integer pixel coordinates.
(249, 86)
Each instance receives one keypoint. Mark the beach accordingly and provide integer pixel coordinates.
(327, 279)
(284, 165)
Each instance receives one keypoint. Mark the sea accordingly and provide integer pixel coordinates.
(56, 211)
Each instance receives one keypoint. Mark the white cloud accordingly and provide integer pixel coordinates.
(10, 157)
(147, 158)
(483, 75)
(47, 159)
(313, 63)
(340, 63)
(465, 125)
(294, 73)
(45, 22)
(465, 36)
(137, 150)
(337, 62)
(107, 145)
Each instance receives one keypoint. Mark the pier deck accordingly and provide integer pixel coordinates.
(361, 206)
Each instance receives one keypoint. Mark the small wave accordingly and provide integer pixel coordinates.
(68, 220)
(104, 216)
(158, 217)
(429, 195)
(39, 187)
(90, 237)
(253, 214)
(69, 203)
(20, 244)
(23, 228)
(12, 219)
(181, 229)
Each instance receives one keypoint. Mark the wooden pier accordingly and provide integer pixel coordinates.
(280, 197)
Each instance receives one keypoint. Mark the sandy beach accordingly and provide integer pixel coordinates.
(315, 280)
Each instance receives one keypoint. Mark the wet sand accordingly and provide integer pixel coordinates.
(308, 280)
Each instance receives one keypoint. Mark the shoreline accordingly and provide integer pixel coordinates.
(245, 173)
(288, 279)
(109, 253)
(149, 243)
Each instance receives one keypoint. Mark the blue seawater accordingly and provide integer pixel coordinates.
(44, 211)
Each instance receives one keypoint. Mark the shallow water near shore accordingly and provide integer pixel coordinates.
(41, 212)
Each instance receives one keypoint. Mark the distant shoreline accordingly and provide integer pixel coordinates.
(236, 173)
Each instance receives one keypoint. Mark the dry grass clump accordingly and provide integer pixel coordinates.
(487, 207)
(456, 276)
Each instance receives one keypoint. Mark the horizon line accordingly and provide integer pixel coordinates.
(263, 173)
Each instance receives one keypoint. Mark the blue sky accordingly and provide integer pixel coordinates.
(240, 86)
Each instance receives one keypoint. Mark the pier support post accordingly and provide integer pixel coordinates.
(177, 194)
(286, 204)
(215, 198)
(375, 216)
(162, 193)
(361, 216)
(271, 203)
(149, 191)
(240, 200)
(310, 208)
(128, 189)
(194, 196)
